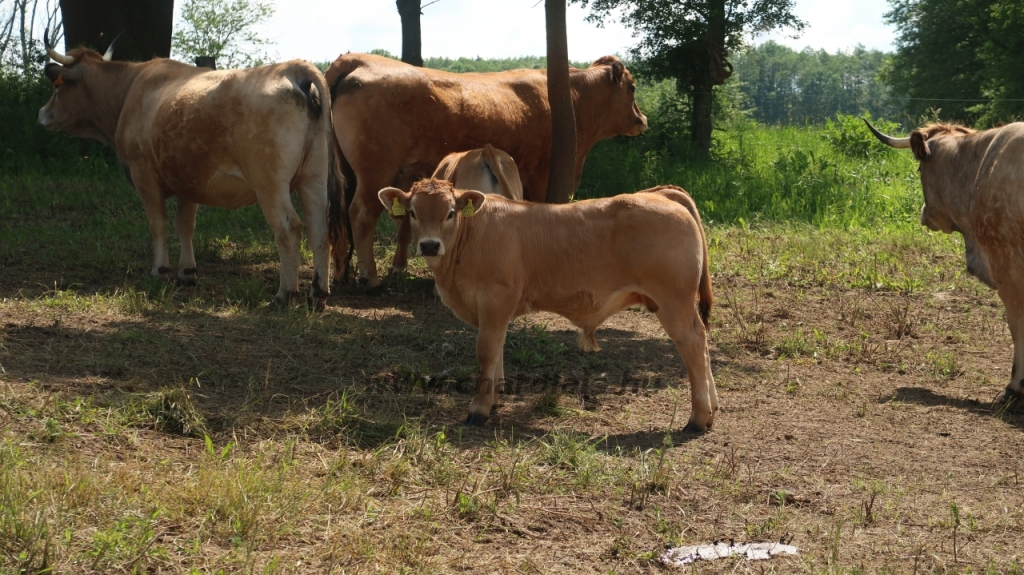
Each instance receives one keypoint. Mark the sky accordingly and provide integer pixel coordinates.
(320, 30)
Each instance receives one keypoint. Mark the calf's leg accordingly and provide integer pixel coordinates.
(402, 248)
(185, 226)
(490, 341)
(1015, 319)
(364, 213)
(154, 203)
(683, 326)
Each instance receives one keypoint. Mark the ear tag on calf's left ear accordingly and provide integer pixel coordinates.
(59, 80)
(397, 210)
(469, 210)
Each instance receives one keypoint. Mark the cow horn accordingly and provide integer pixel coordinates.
(110, 49)
(57, 56)
(888, 140)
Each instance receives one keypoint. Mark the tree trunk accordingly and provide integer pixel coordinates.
(703, 97)
(562, 180)
(412, 43)
(95, 23)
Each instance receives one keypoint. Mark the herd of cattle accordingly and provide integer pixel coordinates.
(462, 162)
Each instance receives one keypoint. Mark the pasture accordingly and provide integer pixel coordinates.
(152, 428)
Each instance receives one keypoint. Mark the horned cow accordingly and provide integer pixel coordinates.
(224, 138)
(974, 184)
(493, 261)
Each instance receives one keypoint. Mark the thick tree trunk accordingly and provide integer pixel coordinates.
(95, 23)
(412, 43)
(712, 74)
(562, 181)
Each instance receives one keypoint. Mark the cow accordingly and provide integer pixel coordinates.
(973, 184)
(486, 170)
(226, 138)
(496, 259)
(395, 122)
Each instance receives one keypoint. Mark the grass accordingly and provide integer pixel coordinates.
(148, 427)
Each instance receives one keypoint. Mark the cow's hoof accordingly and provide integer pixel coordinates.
(187, 279)
(1011, 399)
(476, 420)
(364, 281)
(376, 290)
(694, 428)
(317, 304)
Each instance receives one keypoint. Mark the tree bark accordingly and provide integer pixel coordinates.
(562, 179)
(146, 25)
(412, 43)
(703, 97)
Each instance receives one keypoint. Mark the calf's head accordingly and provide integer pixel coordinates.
(78, 90)
(625, 115)
(435, 209)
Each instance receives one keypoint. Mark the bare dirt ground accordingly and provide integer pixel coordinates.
(147, 428)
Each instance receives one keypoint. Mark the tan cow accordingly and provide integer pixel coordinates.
(226, 138)
(395, 122)
(974, 184)
(494, 259)
(486, 170)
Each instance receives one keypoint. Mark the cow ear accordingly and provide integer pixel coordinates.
(55, 73)
(469, 203)
(919, 145)
(616, 70)
(395, 200)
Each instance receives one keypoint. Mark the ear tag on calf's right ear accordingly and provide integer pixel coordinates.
(397, 210)
(469, 210)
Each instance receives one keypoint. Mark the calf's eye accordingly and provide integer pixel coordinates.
(451, 214)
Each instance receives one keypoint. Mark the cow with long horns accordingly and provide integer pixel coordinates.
(224, 138)
(974, 184)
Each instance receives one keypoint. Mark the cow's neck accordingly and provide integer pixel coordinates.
(117, 79)
(960, 160)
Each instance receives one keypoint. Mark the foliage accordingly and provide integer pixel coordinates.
(789, 87)
(848, 135)
(479, 64)
(963, 56)
(223, 29)
(19, 47)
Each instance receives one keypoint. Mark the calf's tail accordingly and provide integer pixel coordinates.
(705, 294)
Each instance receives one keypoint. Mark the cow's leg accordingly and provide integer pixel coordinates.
(1015, 320)
(683, 326)
(185, 226)
(154, 203)
(364, 213)
(313, 196)
(493, 325)
(276, 204)
(401, 260)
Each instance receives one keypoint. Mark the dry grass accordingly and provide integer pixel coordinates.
(150, 428)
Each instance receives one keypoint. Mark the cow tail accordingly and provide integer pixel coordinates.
(705, 294)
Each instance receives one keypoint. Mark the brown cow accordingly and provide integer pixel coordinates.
(493, 260)
(395, 122)
(974, 184)
(224, 138)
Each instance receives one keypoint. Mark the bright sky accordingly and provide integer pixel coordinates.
(320, 30)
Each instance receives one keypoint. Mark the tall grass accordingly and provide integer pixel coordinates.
(757, 173)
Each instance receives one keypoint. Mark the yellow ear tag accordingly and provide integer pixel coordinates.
(469, 210)
(397, 210)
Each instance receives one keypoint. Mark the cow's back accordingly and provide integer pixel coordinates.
(390, 113)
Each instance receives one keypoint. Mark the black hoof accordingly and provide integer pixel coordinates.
(377, 290)
(1011, 399)
(693, 428)
(364, 281)
(187, 281)
(318, 304)
(163, 270)
(476, 420)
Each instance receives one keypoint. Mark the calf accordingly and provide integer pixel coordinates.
(494, 259)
